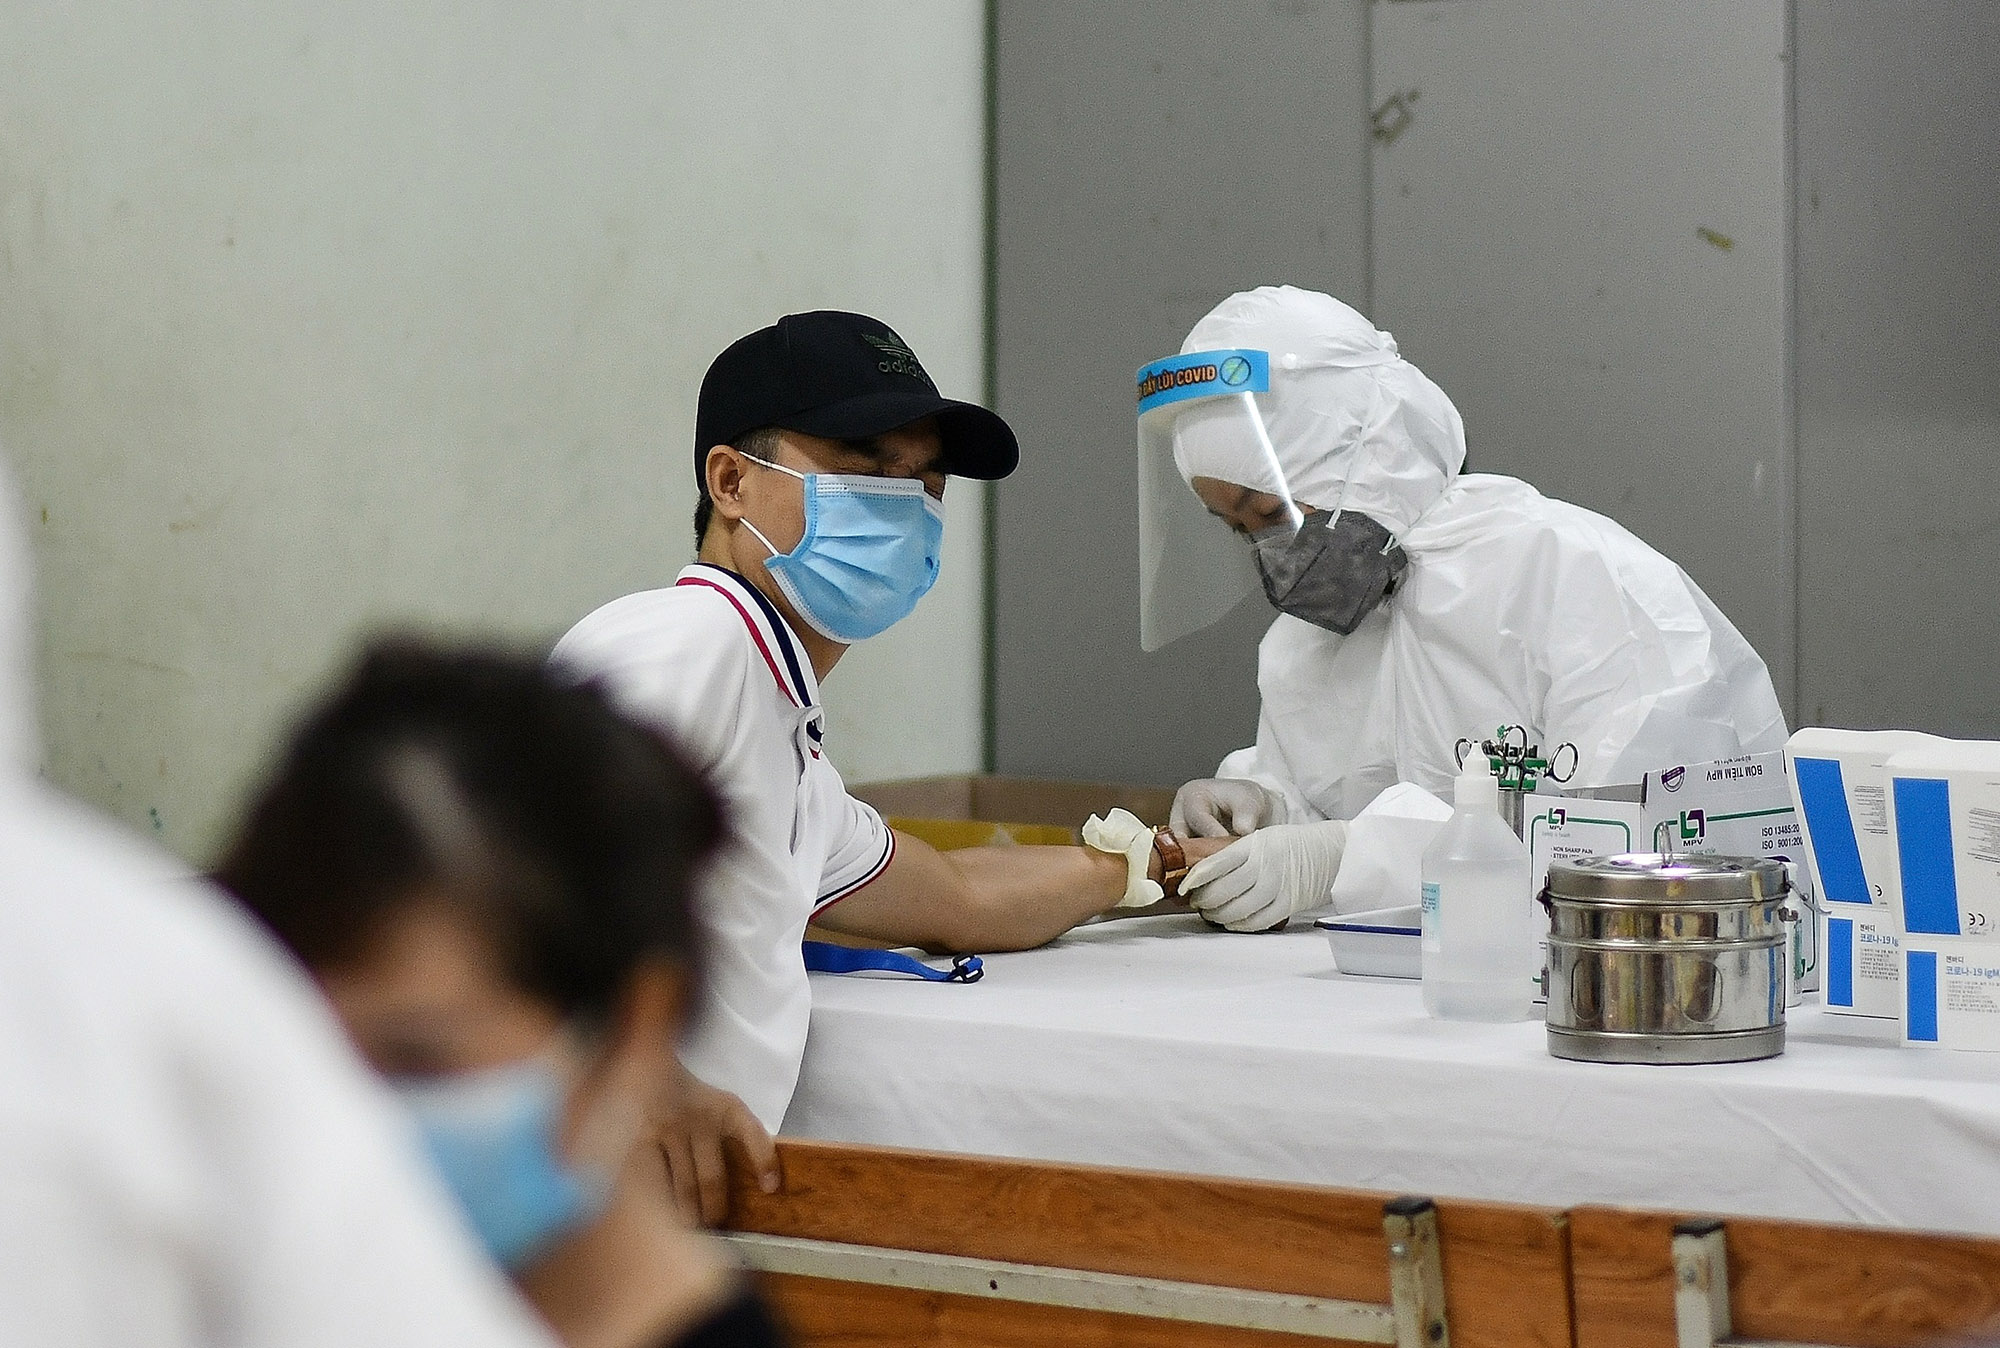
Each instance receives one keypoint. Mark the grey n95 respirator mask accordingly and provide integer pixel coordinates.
(1332, 571)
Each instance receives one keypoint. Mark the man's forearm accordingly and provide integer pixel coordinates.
(1022, 897)
(1016, 898)
(983, 899)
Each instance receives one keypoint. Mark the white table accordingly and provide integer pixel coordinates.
(1159, 1044)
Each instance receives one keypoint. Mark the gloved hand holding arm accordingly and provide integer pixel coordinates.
(1257, 882)
(1216, 807)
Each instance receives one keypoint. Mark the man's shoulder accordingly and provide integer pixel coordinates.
(670, 623)
(686, 658)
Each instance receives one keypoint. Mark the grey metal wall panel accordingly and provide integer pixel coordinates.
(1151, 160)
(1581, 235)
(1898, 357)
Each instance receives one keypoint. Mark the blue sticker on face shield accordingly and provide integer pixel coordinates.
(1203, 374)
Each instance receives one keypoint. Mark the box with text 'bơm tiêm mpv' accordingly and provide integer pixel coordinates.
(1843, 799)
(1944, 815)
(1730, 807)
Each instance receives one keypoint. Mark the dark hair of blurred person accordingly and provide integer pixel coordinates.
(490, 875)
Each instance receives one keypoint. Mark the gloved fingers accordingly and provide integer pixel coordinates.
(1249, 807)
(1194, 813)
(1223, 891)
(1216, 865)
(1221, 807)
(1253, 910)
(1233, 891)
(1259, 921)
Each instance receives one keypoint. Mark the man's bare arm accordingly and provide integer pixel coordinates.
(987, 898)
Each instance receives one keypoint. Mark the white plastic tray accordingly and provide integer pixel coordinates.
(1383, 943)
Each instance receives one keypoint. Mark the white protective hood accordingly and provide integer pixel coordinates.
(1354, 425)
(1516, 609)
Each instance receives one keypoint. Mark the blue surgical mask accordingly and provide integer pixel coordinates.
(493, 1138)
(871, 550)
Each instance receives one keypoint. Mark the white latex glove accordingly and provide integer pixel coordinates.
(1123, 834)
(1216, 807)
(1260, 881)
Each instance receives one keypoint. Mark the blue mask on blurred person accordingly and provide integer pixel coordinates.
(492, 1137)
(871, 550)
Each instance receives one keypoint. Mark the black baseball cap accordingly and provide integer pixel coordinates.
(840, 376)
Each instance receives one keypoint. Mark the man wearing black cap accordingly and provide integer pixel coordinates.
(822, 451)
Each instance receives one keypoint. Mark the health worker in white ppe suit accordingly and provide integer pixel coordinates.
(1291, 449)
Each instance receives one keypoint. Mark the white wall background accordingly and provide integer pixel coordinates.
(316, 318)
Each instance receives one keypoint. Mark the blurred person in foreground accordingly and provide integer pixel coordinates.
(189, 1152)
(489, 875)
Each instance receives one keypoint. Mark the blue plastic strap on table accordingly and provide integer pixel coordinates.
(823, 957)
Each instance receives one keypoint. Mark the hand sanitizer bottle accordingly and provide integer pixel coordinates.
(1478, 914)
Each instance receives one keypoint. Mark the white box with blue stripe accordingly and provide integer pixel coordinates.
(1944, 813)
(1841, 794)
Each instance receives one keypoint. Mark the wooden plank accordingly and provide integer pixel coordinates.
(1506, 1268)
(823, 1314)
(1081, 1290)
(1861, 1286)
(1267, 1237)
(1506, 1275)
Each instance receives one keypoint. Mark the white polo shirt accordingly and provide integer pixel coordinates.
(710, 661)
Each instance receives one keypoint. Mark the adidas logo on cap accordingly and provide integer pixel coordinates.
(897, 358)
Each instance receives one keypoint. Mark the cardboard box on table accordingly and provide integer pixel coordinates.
(973, 810)
(1944, 814)
(1730, 807)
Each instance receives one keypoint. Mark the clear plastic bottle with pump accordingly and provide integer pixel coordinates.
(1479, 930)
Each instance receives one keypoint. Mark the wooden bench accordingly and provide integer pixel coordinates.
(1657, 1280)
(871, 1245)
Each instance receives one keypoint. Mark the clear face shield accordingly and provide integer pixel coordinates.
(1192, 568)
(1218, 519)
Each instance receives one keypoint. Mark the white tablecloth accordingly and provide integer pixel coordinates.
(1158, 1044)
